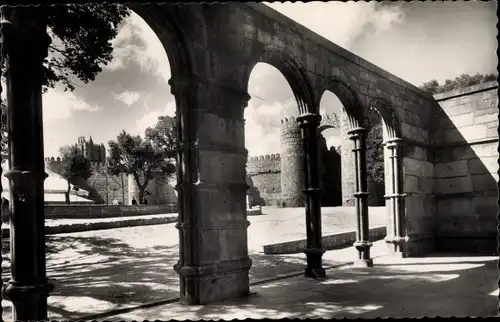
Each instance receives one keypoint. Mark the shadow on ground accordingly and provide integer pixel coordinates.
(429, 288)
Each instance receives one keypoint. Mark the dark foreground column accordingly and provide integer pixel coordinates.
(395, 230)
(309, 123)
(213, 252)
(362, 244)
(25, 43)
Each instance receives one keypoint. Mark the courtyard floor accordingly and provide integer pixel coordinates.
(96, 272)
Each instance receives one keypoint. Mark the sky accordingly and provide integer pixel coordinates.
(416, 41)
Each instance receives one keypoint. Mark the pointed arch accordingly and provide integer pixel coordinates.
(294, 73)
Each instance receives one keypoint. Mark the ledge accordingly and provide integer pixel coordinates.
(330, 242)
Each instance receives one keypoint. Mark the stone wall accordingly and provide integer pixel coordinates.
(264, 179)
(292, 164)
(99, 211)
(466, 164)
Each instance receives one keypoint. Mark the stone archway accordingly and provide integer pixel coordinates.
(393, 168)
(354, 164)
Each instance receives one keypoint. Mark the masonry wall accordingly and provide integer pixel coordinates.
(264, 179)
(466, 165)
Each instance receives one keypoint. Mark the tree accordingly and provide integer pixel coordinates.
(81, 45)
(141, 158)
(375, 164)
(461, 81)
(81, 41)
(164, 135)
(74, 165)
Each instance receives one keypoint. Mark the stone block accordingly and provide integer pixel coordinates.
(462, 120)
(453, 185)
(411, 184)
(453, 206)
(425, 184)
(451, 169)
(492, 132)
(486, 205)
(493, 117)
(485, 182)
(458, 109)
(417, 167)
(483, 165)
(414, 133)
(466, 133)
(482, 150)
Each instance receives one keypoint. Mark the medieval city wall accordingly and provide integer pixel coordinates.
(466, 165)
(264, 179)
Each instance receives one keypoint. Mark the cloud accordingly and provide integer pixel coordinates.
(137, 42)
(150, 119)
(60, 105)
(128, 97)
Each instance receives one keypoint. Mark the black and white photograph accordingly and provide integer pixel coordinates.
(249, 160)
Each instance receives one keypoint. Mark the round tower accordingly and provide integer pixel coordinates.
(133, 190)
(347, 163)
(292, 164)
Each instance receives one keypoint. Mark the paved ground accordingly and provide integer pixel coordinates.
(439, 286)
(99, 271)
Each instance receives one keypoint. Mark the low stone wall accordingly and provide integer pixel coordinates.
(54, 211)
(330, 242)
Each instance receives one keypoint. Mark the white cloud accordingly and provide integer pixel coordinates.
(60, 105)
(151, 118)
(128, 97)
(151, 55)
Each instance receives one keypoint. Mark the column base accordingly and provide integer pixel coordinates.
(214, 283)
(396, 246)
(363, 263)
(315, 272)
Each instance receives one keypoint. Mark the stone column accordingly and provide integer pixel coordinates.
(213, 252)
(362, 244)
(25, 44)
(292, 167)
(395, 230)
(308, 124)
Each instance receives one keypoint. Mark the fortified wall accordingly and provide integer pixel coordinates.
(104, 188)
(465, 139)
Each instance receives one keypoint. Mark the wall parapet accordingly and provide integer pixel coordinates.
(468, 90)
(264, 164)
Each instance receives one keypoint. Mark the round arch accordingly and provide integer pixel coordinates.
(390, 120)
(294, 73)
(349, 99)
(169, 33)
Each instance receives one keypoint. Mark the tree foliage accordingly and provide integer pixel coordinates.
(141, 158)
(74, 165)
(463, 80)
(164, 135)
(81, 41)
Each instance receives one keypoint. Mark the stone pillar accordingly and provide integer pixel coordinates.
(348, 182)
(362, 244)
(395, 199)
(292, 166)
(314, 251)
(25, 43)
(213, 252)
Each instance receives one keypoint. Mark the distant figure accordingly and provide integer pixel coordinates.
(134, 202)
(145, 201)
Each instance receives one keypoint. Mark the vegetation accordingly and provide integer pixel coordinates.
(463, 80)
(74, 165)
(141, 158)
(163, 135)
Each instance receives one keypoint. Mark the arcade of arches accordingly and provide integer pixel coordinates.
(212, 49)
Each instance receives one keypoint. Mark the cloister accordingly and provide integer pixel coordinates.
(212, 49)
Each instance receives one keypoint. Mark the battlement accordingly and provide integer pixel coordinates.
(264, 164)
(55, 162)
(330, 119)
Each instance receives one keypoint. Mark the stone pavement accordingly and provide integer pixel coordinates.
(415, 287)
(99, 271)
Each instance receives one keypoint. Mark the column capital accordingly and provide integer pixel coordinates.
(308, 119)
(393, 143)
(356, 133)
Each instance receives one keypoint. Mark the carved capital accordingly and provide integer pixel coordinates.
(357, 133)
(309, 120)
